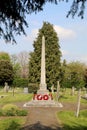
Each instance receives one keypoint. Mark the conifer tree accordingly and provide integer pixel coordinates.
(52, 56)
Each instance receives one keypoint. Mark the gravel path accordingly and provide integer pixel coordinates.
(42, 119)
(45, 118)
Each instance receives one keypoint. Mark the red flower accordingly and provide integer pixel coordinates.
(45, 97)
(39, 97)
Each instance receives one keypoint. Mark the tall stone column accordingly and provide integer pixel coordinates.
(43, 75)
(43, 87)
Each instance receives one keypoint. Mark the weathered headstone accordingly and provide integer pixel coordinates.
(72, 90)
(6, 87)
(26, 90)
(52, 88)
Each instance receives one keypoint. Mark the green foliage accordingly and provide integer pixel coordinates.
(6, 72)
(1, 112)
(70, 122)
(74, 75)
(19, 96)
(17, 70)
(4, 56)
(13, 126)
(33, 88)
(62, 74)
(78, 7)
(52, 56)
(20, 82)
(13, 14)
(21, 112)
(12, 110)
(85, 78)
(11, 123)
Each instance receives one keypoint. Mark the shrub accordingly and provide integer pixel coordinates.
(1, 113)
(10, 110)
(33, 87)
(22, 112)
(13, 126)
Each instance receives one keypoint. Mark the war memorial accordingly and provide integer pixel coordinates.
(43, 98)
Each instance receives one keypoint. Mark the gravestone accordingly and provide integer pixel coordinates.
(26, 90)
(52, 88)
(6, 87)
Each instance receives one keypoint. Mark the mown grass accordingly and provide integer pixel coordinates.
(67, 118)
(14, 122)
(70, 122)
(18, 97)
(65, 96)
(11, 123)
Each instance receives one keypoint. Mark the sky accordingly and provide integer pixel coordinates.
(72, 33)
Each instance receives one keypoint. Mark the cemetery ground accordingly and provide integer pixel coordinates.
(44, 118)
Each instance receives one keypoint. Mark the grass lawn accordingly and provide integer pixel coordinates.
(11, 123)
(67, 118)
(18, 97)
(70, 122)
(65, 96)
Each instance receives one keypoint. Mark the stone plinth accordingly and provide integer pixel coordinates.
(42, 91)
(42, 103)
(40, 100)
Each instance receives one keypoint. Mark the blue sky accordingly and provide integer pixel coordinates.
(72, 33)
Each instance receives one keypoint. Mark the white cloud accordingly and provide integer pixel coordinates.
(64, 52)
(64, 33)
(31, 37)
(83, 58)
(74, 57)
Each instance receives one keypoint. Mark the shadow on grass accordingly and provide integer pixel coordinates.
(39, 126)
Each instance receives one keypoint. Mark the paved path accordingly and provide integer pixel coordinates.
(42, 119)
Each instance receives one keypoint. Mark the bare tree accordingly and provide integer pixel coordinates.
(23, 59)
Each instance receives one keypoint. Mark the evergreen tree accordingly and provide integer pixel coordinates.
(85, 78)
(62, 73)
(6, 72)
(6, 68)
(52, 56)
